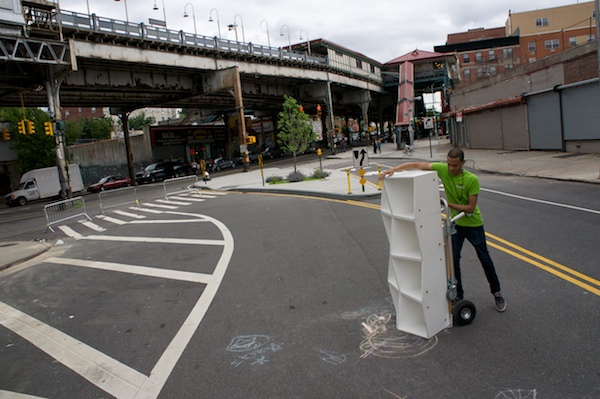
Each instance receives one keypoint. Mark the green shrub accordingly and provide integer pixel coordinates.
(296, 177)
(319, 174)
(274, 179)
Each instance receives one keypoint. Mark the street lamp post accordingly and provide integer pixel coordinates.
(288, 35)
(164, 11)
(218, 23)
(185, 15)
(268, 37)
(242, 24)
(307, 39)
(126, 12)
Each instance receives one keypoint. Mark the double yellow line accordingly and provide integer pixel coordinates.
(574, 277)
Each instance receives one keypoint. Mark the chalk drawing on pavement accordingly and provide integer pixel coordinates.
(517, 394)
(334, 358)
(383, 339)
(253, 349)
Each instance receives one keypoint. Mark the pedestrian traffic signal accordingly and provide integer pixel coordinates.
(21, 126)
(5, 135)
(48, 129)
(30, 126)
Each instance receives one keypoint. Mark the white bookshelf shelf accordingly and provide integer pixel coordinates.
(410, 209)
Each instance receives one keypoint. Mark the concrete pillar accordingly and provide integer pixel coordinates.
(53, 89)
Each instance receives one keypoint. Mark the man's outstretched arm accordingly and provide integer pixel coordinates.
(406, 166)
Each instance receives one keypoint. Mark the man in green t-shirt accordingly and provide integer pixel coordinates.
(462, 190)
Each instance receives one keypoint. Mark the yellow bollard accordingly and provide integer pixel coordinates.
(348, 174)
(379, 182)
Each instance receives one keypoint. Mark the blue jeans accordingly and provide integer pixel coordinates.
(476, 236)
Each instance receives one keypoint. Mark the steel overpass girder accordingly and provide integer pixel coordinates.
(34, 51)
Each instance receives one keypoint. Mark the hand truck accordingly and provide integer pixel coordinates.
(463, 311)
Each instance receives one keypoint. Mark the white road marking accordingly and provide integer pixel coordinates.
(172, 202)
(133, 269)
(129, 214)
(193, 199)
(14, 395)
(109, 374)
(103, 371)
(150, 204)
(70, 232)
(159, 240)
(164, 367)
(92, 226)
(112, 220)
(577, 208)
(154, 211)
(165, 221)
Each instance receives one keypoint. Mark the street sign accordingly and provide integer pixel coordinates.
(360, 157)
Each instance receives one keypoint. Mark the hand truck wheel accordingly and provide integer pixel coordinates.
(464, 312)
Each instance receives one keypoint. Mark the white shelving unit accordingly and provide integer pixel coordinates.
(410, 208)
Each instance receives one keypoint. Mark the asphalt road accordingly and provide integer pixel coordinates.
(274, 296)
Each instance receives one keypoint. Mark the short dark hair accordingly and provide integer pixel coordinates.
(457, 153)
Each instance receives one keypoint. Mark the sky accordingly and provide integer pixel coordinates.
(381, 30)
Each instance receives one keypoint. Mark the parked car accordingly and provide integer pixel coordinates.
(223, 163)
(109, 182)
(271, 153)
(158, 171)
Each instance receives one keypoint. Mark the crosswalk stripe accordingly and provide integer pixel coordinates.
(129, 214)
(112, 220)
(150, 204)
(172, 202)
(92, 226)
(154, 211)
(70, 232)
(191, 199)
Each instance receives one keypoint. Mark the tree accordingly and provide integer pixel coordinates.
(140, 121)
(295, 131)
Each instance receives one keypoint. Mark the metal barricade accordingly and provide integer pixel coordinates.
(60, 211)
(180, 185)
(118, 197)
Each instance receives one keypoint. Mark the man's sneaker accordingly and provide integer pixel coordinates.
(500, 303)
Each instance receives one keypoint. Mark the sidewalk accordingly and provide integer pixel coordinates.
(551, 165)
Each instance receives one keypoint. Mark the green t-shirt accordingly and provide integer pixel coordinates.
(458, 190)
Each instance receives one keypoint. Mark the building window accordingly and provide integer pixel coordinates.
(531, 47)
(467, 75)
(93, 110)
(508, 66)
(493, 70)
(552, 44)
(359, 64)
(572, 41)
(466, 58)
(491, 55)
(479, 72)
(507, 53)
(67, 114)
(478, 57)
(541, 21)
(591, 37)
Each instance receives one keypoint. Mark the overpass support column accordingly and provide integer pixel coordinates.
(330, 116)
(362, 99)
(53, 88)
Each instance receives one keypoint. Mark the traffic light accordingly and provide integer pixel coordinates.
(21, 126)
(318, 109)
(5, 135)
(250, 139)
(30, 126)
(49, 130)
